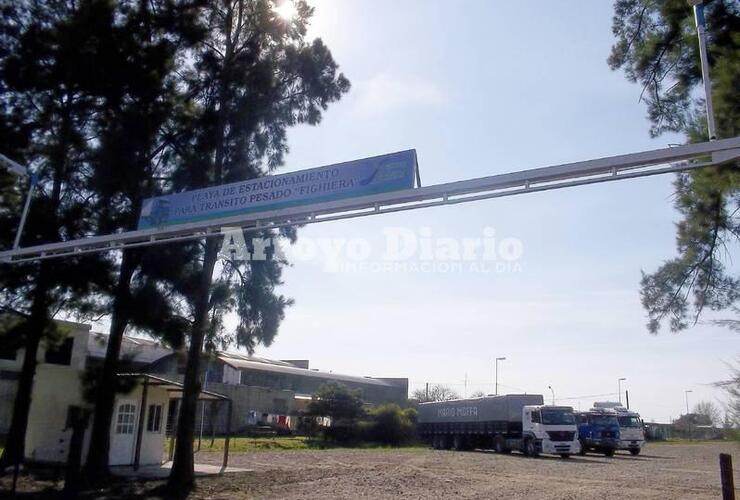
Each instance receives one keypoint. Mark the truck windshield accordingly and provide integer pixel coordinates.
(558, 417)
(602, 420)
(629, 422)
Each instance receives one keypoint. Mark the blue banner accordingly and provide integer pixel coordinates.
(379, 174)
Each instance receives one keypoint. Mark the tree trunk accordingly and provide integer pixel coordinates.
(182, 477)
(96, 467)
(37, 323)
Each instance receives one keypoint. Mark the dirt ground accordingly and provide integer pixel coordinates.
(663, 471)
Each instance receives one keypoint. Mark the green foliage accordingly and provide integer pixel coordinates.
(337, 402)
(656, 45)
(391, 425)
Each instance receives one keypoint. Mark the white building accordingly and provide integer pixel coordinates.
(139, 418)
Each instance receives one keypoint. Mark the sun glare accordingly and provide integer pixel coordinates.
(286, 10)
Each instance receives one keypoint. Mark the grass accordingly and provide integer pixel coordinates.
(248, 444)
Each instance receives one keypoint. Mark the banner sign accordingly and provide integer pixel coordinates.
(379, 174)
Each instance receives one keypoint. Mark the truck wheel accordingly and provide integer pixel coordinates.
(609, 452)
(458, 443)
(530, 448)
(499, 444)
(635, 451)
(565, 455)
(583, 449)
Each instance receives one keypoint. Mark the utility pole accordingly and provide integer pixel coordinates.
(427, 392)
(619, 388)
(553, 394)
(686, 393)
(496, 363)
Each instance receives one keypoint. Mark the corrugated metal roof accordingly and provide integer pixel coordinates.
(260, 364)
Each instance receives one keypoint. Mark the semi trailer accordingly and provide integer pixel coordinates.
(519, 422)
(631, 431)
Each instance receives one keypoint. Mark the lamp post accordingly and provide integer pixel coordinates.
(496, 363)
(686, 393)
(553, 394)
(619, 388)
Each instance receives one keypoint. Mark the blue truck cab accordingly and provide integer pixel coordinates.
(598, 430)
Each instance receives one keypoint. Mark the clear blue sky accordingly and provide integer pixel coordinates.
(479, 88)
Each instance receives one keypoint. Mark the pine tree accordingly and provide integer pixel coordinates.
(253, 77)
(135, 124)
(47, 118)
(657, 48)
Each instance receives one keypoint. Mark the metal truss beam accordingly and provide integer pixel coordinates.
(628, 166)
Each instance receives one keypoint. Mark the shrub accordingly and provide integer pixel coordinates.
(391, 425)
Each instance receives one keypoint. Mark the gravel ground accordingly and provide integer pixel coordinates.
(663, 471)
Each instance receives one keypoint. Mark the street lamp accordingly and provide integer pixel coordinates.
(12, 167)
(619, 388)
(497, 360)
(687, 400)
(553, 394)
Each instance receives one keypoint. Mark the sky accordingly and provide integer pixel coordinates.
(481, 88)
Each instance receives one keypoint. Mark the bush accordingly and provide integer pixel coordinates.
(391, 425)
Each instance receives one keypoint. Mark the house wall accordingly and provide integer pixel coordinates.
(246, 401)
(56, 388)
(10, 368)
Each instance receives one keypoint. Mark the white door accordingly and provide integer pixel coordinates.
(124, 433)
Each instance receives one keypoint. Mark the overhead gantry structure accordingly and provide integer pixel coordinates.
(613, 168)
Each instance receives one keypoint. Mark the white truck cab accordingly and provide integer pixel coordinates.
(550, 429)
(631, 431)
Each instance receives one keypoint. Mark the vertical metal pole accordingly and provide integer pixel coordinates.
(686, 393)
(203, 404)
(496, 391)
(228, 437)
(140, 430)
(627, 397)
(701, 33)
(26, 206)
(427, 392)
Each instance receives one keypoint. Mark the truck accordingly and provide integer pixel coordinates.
(598, 430)
(504, 423)
(631, 430)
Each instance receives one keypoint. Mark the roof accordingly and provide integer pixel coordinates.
(171, 386)
(137, 349)
(237, 360)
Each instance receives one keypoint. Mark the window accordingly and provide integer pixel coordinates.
(126, 418)
(536, 417)
(154, 420)
(60, 354)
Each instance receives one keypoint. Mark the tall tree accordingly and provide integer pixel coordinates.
(139, 102)
(253, 77)
(41, 66)
(657, 48)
